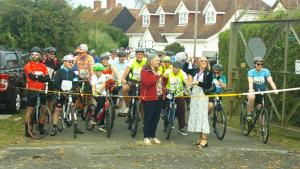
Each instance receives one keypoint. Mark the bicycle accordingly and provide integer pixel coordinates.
(134, 108)
(170, 113)
(219, 119)
(107, 112)
(261, 115)
(39, 119)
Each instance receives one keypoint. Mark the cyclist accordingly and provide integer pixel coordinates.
(36, 75)
(64, 80)
(133, 69)
(176, 78)
(98, 88)
(220, 81)
(113, 56)
(257, 78)
(120, 67)
(84, 64)
(165, 65)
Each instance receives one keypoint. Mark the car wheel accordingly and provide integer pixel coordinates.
(16, 102)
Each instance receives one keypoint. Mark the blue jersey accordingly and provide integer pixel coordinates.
(259, 78)
(218, 86)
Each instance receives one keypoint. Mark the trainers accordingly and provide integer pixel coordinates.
(249, 117)
(93, 121)
(155, 141)
(182, 131)
(42, 129)
(147, 141)
(102, 128)
(53, 132)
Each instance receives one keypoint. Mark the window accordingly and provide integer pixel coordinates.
(162, 19)
(183, 18)
(146, 20)
(210, 17)
(11, 60)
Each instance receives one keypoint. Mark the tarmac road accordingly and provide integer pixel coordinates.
(94, 150)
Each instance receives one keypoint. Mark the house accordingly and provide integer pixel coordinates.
(286, 5)
(168, 21)
(115, 15)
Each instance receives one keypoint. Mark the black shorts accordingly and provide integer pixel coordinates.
(32, 98)
(258, 98)
(63, 99)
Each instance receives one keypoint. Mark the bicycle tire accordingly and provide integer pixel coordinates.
(166, 121)
(245, 125)
(113, 112)
(219, 119)
(108, 121)
(33, 124)
(130, 117)
(88, 117)
(135, 119)
(265, 126)
(168, 130)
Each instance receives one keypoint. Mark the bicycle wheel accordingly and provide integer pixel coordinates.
(89, 114)
(170, 122)
(219, 122)
(168, 130)
(244, 123)
(113, 112)
(135, 119)
(39, 124)
(166, 116)
(130, 114)
(108, 120)
(264, 125)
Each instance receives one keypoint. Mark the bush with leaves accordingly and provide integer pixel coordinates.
(175, 47)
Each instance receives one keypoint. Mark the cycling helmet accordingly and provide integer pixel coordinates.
(177, 64)
(69, 57)
(113, 51)
(36, 50)
(258, 59)
(166, 59)
(45, 50)
(217, 67)
(139, 50)
(168, 53)
(122, 53)
(83, 48)
(51, 49)
(104, 55)
(98, 67)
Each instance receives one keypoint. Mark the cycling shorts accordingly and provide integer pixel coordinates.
(32, 98)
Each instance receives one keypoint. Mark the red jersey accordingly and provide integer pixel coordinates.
(35, 68)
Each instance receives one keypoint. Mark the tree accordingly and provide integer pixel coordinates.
(175, 47)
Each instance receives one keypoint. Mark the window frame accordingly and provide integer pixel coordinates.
(144, 20)
(183, 18)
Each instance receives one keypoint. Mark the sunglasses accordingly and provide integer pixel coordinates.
(70, 62)
(259, 64)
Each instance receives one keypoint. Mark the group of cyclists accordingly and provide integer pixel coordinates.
(83, 73)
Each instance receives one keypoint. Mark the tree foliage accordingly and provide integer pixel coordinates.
(175, 47)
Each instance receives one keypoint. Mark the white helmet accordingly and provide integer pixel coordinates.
(83, 48)
(68, 58)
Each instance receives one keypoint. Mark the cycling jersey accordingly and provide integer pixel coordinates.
(99, 82)
(120, 67)
(35, 68)
(259, 78)
(175, 82)
(136, 68)
(163, 69)
(65, 79)
(84, 66)
(223, 79)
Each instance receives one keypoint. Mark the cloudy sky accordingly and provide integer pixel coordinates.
(128, 3)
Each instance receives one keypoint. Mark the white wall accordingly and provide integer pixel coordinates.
(134, 41)
(211, 45)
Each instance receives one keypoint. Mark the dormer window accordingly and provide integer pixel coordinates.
(161, 19)
(146, 20)
(183, 18)
(210, 17)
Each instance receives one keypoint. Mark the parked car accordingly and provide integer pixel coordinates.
(11, 77)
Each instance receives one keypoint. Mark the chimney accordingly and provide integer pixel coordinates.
(111, 4)
(97, 4)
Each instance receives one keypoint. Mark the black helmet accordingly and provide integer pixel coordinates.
(122, 53)
(51, 49)
(177, 64)
(105, 55)
(140, 50)
(35, 49)
(217, 67)
(258, 59)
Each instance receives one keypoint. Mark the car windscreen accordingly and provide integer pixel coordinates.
(9, 60)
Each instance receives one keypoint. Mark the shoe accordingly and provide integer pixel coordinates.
(249, 117)
(42, 129)
(182, 131)
(125, 110)
(79, 131)
(54, 131)
(147, 141)
(68, 123)
(102, 129)
(155, 141)
(93, 121)
(203, 145)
